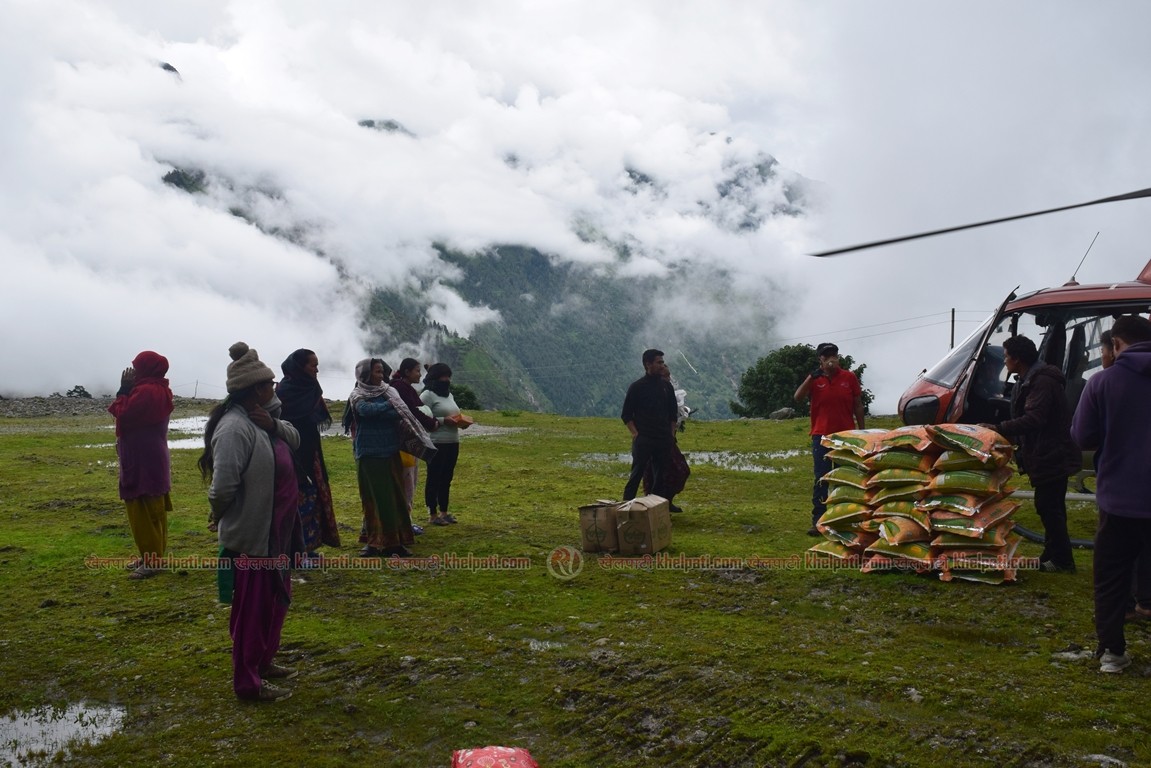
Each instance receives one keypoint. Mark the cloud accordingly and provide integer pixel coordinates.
(937, 116)
(448, 309)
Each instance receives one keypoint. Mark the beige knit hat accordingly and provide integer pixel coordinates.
(246, 370)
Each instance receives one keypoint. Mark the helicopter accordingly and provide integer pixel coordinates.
(970, 384)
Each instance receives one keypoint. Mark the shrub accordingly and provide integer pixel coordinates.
(465, 398)
(770, 384)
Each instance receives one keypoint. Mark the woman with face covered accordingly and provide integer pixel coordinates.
(303, 405)
(437, 396)
(141, 409)
(373, 416)
(254, 506)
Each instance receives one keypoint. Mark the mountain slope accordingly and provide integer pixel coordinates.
(554, 334)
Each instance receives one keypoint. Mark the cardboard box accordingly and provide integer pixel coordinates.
(643, 525)
(597, 525)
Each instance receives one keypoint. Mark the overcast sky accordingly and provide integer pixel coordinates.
(911, 115)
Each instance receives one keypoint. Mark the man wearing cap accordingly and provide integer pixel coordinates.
(836, 405)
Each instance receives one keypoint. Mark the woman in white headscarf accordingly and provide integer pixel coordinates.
(377, 419)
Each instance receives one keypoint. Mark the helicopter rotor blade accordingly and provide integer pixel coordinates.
(875, 244)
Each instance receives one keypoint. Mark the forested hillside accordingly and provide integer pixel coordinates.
(569, 340)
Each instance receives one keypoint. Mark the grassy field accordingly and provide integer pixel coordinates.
(693, 667)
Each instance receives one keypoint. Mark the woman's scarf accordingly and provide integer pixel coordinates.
(408, 393)
(441, 388)
(365, 391)
(301, 393)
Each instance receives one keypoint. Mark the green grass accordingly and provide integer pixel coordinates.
(631, 667)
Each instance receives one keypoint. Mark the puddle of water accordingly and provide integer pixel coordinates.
(193, 426)
(612, 458)
(751, 461)
(43, 733)
(186, 444)
(543, 645)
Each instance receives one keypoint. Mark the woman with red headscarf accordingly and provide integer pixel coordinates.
(141, 409)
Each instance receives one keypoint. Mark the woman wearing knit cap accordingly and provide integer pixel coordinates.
(303, 405)
(437, 395)
(374, 421)
(141, 409)
(402, 381)
(254, 501)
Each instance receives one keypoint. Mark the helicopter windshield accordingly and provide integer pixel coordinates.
(948, 370)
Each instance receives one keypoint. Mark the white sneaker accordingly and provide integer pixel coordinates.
(1113, 662)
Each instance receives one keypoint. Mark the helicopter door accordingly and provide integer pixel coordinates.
(958, 406)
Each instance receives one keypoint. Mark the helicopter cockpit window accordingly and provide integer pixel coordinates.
(1069, 341)
(1084, 352)
(1053, 347)
(989, 398)
(1078, 361)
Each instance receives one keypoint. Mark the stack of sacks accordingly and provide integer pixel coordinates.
(848, 524)
(921, 498)
(902, 477)
(970, 506)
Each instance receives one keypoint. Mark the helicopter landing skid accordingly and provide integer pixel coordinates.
(1038, 538)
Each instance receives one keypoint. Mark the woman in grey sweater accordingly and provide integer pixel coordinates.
(253, 498)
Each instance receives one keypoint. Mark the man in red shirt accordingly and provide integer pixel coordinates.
(836, 405)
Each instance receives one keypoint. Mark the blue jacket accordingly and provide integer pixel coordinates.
(377, 435)
(1114, 417)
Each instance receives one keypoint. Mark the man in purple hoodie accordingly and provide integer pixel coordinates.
(1114, 418)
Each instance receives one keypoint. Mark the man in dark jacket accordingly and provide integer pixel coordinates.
(1040, 424)
(1112, 418)
(650, 411)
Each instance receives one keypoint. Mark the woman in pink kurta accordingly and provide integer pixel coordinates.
(141, 410)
